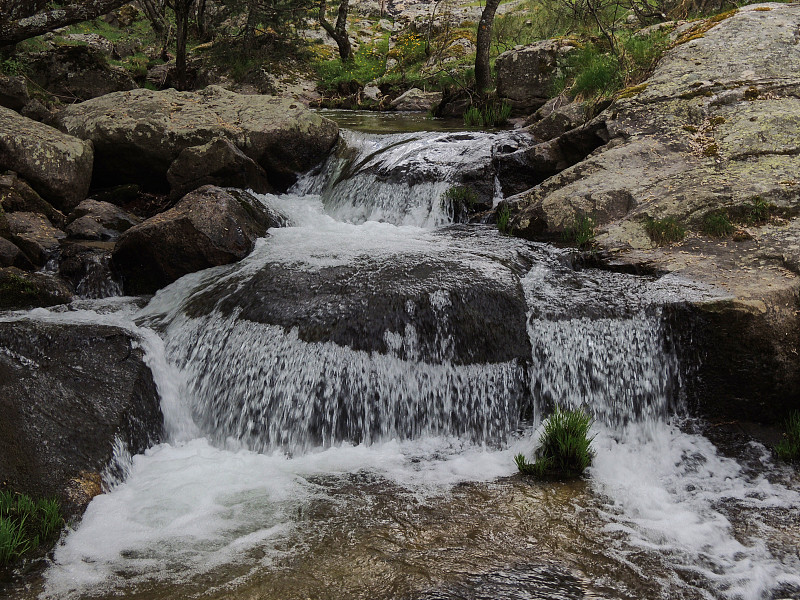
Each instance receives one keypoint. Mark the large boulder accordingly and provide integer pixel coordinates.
(57, 166)
(76, 73)
(20, 290)
(526, 74)
(71, 397)
(35, 235)
(416, 100)
(207, 228)
(13, 92)
(217, 163)
(101, 221)
(138, 134)
(17, 196)
(12, 256)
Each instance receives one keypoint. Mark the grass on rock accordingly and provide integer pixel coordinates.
(25, 524)
(565, 448)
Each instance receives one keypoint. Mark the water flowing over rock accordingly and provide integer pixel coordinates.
(69, 395)
(58, 166)
(138, 134)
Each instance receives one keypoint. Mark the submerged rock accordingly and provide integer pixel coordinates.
(138, 134)
(71, 395)
(207, 228)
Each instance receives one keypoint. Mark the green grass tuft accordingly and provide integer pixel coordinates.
(581, 232)
(758, 211)
(664, 231)
(564, 447)
(25, 524)
(491, 114)
(504, 219)
(788, 448)
(717, 224)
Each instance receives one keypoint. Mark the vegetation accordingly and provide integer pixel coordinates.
(788, 448)
(565, 448)
(504, 219)
(664, 231)
(717, 224)
(758, 211)
(25, 525)
(581, 232)
(492, 113)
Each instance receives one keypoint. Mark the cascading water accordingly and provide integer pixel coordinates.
(344, 407)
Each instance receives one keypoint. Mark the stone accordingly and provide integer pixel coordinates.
(11, 256)
(416, 100)
(102, 221)
(35, 235)
(17, 196)
(138, 134)
(86, 265)
(207, 228)
(77, 73)
(58, 166)
(525, 76)
(372, 92)
(38, 112)
(13, 92)
(218, 163)
(70, 395)
(93, 40)
(21, 290)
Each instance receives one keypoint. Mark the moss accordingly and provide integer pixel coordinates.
(711, 150)
(632, 91)
(751, 93)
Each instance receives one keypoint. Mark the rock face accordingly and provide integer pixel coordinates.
(207, 228)
(138, 134)
(68, 393)
(525, 75)
(12, 256)
(714, 131)
(17, 195)
(58, 166)
(77, 73)
(35, 235)
(13, 92)
(217, 163)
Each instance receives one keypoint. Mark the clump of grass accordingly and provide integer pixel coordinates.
(758, 211)
(492, 114)
(367, 64)
(717, 224)
(25, 524)
(565, 448)
(664, 231)
(504, 219)
(461, 199)
(788, 448)
(581, 232)
(596, 73)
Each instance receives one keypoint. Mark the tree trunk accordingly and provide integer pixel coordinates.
(339, 32)
(155, 16)
(13, 32)
(483, 73)
(182, 9)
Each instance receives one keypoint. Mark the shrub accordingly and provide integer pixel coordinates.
(368, 63)
(564, 447)
(788, 448)
(504, 219)
(717, 224)
(581, 232)
(597, 73)
(664, 231)
(25, 524)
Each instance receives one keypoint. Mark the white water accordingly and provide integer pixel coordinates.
(205, 499)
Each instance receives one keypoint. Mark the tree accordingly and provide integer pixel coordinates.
(182, 9)
(339, 31)
(39, 22)
(483, 73)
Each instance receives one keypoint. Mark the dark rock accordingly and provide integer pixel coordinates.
(57, 166)
(17, 196)
(87, 267)
(11, 256)
(39, 112)
(101, 221)
(69, 394)
(19, 289)
(119, 195)
(208, 227)
(217, 163)
(13, 92)
(35, 235)
(139, 134)
(77, 73)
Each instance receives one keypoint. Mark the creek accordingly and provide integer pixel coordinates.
(344, 405)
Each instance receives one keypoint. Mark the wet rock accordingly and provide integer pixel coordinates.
(19, 290)
(525, 75)
(416, 100)
(13, 92)
(101, 221)
(69, 395)
(57, 166)
(17, 196)
(11, 256)
(218, 163)
(77, 73)
(87, 267)
(208, 227)
(35, 235)
(139, 134)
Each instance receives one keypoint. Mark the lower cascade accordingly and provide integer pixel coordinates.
(343, 408)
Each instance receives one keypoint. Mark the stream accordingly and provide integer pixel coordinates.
(343, 408)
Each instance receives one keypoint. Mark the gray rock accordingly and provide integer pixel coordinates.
(38, 112)
(416, 100)
(69, 394)
(525, 76)
(102, 221)
(372, 92)
(208, 227)
(93, 40)
(58, 166)
(218, 163)
(35, 235)
(13, 92)
(11, 256)
(139, 134)
(21, 290)
(17, 196)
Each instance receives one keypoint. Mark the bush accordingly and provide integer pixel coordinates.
(580, 233)
(26, 524)
(664, 231)
(564, 447)
(788, 448)
(367, 64)
(717, 224)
